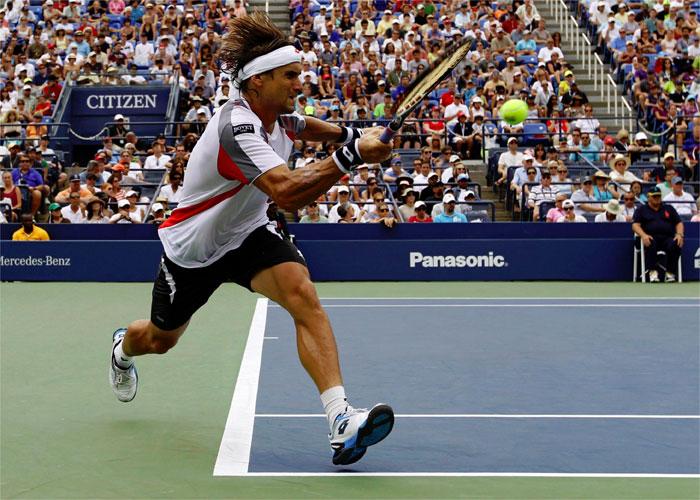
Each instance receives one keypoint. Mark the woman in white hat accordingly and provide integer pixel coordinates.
(620, 174)
(602, 189)
(612, 212)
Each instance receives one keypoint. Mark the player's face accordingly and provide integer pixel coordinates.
(283, 87)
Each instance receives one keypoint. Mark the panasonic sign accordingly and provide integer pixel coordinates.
(417, 259)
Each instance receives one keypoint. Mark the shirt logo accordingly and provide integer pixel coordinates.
(245, 128)
(348, 154)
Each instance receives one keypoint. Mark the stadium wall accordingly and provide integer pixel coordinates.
(408, 252)
(89, 108)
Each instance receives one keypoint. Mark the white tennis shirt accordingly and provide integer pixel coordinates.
(220, 206)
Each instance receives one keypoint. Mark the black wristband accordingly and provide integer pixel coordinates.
(348, 134)
(348, 156)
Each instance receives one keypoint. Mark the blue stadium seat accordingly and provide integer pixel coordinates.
(529, 60)
(38, 12)
(534, 133)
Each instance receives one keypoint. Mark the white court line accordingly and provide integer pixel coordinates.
(511, 298)
(234, 451)
(468, 474)
(644, 306)
(271, 338)
(499, 415)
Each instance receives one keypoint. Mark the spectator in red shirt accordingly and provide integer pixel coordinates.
(43, 105)
(421, 213)
(52, 89)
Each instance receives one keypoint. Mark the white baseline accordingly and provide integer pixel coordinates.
(234, 451)
(500, 415)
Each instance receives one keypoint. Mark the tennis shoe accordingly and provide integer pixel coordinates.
(357, 428)
(670, 278)
(124, 382)
(653, 276)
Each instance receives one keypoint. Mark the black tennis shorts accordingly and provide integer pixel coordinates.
(178, 291)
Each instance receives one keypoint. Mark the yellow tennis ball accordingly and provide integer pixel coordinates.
(513, 111)
(310, 110)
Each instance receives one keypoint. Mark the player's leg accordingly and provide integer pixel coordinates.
(290, 286)
(143, 337)
(352, 430)
(177, 294)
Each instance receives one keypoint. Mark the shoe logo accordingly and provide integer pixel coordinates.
(343, 426)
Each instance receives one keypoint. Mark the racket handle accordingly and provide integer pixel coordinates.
(388, 134)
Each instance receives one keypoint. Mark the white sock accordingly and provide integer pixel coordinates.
(122, 360)
(334, 402)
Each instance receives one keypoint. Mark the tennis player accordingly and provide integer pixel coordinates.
(220, 230)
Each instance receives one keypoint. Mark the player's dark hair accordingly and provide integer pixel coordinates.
(249, 37)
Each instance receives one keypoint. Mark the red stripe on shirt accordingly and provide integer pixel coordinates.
(184, 213)
(228, 169)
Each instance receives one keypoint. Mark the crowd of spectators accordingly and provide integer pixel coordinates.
(654, 49)
(359, 58)
(116, 42)
(357, 61)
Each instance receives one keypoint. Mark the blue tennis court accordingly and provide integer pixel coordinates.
(481, 386)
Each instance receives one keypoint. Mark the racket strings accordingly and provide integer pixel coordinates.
(429, 78)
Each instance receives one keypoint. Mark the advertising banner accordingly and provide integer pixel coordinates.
(91, 107)
(363, 253)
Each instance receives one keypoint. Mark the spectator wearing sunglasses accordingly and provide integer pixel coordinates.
(561, 179)
(620, 174)
(542, 192)
(74, 212)
(556, 212)
(569, 214)
(381, 215)
(585, 199)
(629, 205)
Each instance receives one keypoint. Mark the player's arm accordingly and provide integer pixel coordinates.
(293, 189)
(320, 131)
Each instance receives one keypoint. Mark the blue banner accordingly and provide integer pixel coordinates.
(80, 260)
(91, 107)
(411, 252)
(478, 260)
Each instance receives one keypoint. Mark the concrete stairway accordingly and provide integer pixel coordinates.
(278, 11)
(585, 83)
(477, 172)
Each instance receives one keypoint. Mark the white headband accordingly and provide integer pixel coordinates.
(275, 59)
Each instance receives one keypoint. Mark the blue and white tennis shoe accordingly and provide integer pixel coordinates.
(356, 429)
(124, 382)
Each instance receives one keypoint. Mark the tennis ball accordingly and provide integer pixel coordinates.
(513, 111)
(310, 110)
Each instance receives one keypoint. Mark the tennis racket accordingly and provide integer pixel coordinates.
(422, 86)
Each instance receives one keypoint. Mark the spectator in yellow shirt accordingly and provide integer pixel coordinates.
(29, 231)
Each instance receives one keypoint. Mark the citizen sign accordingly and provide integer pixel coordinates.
(122, 101)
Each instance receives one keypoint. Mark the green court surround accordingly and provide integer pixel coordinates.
(64, 435)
